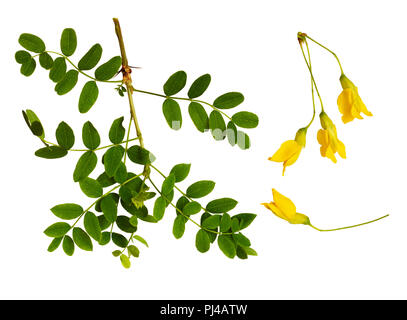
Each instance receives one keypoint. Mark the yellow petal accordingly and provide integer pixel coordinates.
(322, 137)
(272, 207)
(286, 151)
(285, 205)
(330, 154)
(341, 149)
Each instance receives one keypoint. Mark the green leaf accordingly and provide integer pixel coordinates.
(199, 86)
(46, 61)
(172, 113)
(85, 165)
(28, 68)
(117, 131)
(91, 187)
(103, 223)
(141, 239)
(181, 203)
(58, 70)
(92, 227)
(124, 224)
(231, 133)
(228, 100)
(109, 69)
(125, 261)
(140, 155)
(240, 252)
(168, 184)
(82, 239)
(34, 123)
(245, 119)
(54, 244)
(109, 208)
(67, 211)
(159, 208)
(245, 219)
(212, 235)
(241, 240)
(235, 225)
(51, 152)
(105, 239)
(116, 253)
(120, 175)
(217, 125)
(88, 97)
(105, 180)
(134, 251)
(112, 159)
(225, 222)
(119, 240)
(221, 205)
(22, 56)
(67, 83)
(212, 222)
(243, 140)
(180, 171)
(178, 228)
(68, 42)
(250, 251)
(90, 136)
(57, 230)
(191, 208)
(198, 116)
(31, 43)
(68, 245)
(200, 189)
(91, 58)
(65, 136)
(133, 221)
(202, 241)
(175, 83)
(227, 246)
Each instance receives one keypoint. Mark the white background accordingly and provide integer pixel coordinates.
(247, 46)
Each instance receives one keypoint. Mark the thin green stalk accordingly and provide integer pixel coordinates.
(356, 225)
(185, 99)
(80, 71)
(104, 195)
(84, 150)
(312, 88)
(184, 215)
(127, 140)
(312, 76)
(333, 53)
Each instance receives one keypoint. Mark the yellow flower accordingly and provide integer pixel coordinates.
(285, 209)
(328, 139)
(349, 102)
(290, 150)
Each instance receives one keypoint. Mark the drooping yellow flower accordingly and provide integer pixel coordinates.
(285, 209)
(328, 139)
(349, 102)
(290, 150)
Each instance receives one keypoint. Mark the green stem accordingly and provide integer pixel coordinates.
(312, 88)
(104, 195)
(356, 225)
(180, 98)
(333, 53)
(84, 150)
(184, 215)
(127, 140)
(80, 71)
(312, 76)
